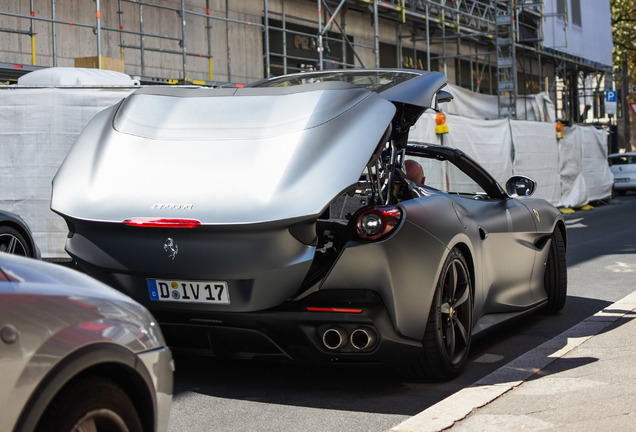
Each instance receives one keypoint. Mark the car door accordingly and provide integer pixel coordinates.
(502, 227)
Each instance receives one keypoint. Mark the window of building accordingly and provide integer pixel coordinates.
(573, 12)
(576, 13)
(560, 8)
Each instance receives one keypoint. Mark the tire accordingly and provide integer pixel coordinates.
(13, 242)
(555, 280)
(448, 330)
(91, 403)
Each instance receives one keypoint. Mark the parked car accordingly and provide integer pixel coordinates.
(77, 355)
(16, 237)
(277, 220)
(623, 166)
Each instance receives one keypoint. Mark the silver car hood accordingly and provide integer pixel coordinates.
(222, 156)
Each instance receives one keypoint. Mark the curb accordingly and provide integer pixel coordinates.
(456, 407)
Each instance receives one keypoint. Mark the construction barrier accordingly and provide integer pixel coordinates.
(38, 126)
(570, 172)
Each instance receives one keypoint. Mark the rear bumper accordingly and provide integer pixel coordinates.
(292, 332)
(625, 183)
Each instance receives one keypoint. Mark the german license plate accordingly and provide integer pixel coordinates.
(183, 291)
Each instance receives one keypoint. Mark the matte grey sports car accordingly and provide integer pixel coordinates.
(280, 219)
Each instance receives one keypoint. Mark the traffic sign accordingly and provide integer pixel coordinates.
(632, 105)
(633, 88)
(610, 102)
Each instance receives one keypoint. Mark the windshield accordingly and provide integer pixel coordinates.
(376, 81)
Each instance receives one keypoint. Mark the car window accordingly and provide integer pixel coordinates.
(622, 160)
(446, 177)
(376, 81)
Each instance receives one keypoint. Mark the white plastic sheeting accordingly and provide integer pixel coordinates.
(537, 107)
(67, 76)
(536, 155)
(599, 179)
(37, 129)
(39, 126)
(488, 142)
(573, 184)
(569, 172)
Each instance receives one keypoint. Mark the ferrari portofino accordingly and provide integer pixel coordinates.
(280, 220)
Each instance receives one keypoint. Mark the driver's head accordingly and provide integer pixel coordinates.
(414, 171)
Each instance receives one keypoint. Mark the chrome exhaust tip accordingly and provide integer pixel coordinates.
(363, 338)
(334, 338)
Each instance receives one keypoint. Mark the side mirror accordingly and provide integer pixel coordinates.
(444, 96)
(520, 186)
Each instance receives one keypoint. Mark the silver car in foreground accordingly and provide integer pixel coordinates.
(77, 355)
(280, 220)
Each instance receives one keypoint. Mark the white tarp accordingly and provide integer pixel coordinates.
(39, 126)
(537, 107)
(569, 172)
(536, 156)
(37, 129)
(488, 142)
(598, 176)
(67, 76)
(573, 186)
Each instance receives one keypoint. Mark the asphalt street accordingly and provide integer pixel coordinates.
(211, 394)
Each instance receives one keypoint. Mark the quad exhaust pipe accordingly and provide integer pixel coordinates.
(335, 338)
(362, 338)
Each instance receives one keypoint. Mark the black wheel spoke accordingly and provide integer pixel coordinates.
(12, 245)
(451, 284)
(462, 331)
(463, 298)
(450, 340)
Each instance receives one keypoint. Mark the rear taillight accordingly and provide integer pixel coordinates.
(373, 223)
(334, 309)
(162, 223)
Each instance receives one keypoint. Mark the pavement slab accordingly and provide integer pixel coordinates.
(583, 379)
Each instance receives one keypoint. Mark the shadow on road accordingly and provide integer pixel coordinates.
(367, 389)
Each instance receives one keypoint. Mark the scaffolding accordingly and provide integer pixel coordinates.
(493, 47)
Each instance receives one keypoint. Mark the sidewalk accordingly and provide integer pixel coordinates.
(582, 380)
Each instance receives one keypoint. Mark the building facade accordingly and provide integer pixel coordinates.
(505, 48)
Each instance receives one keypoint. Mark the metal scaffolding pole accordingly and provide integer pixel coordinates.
(284, 40)
(32, 32)
(320, 41)
(208, 28)
(227, 40)
(183, 39)
(266, 37)
(53, 35)
(376, 34)
(98, 32)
